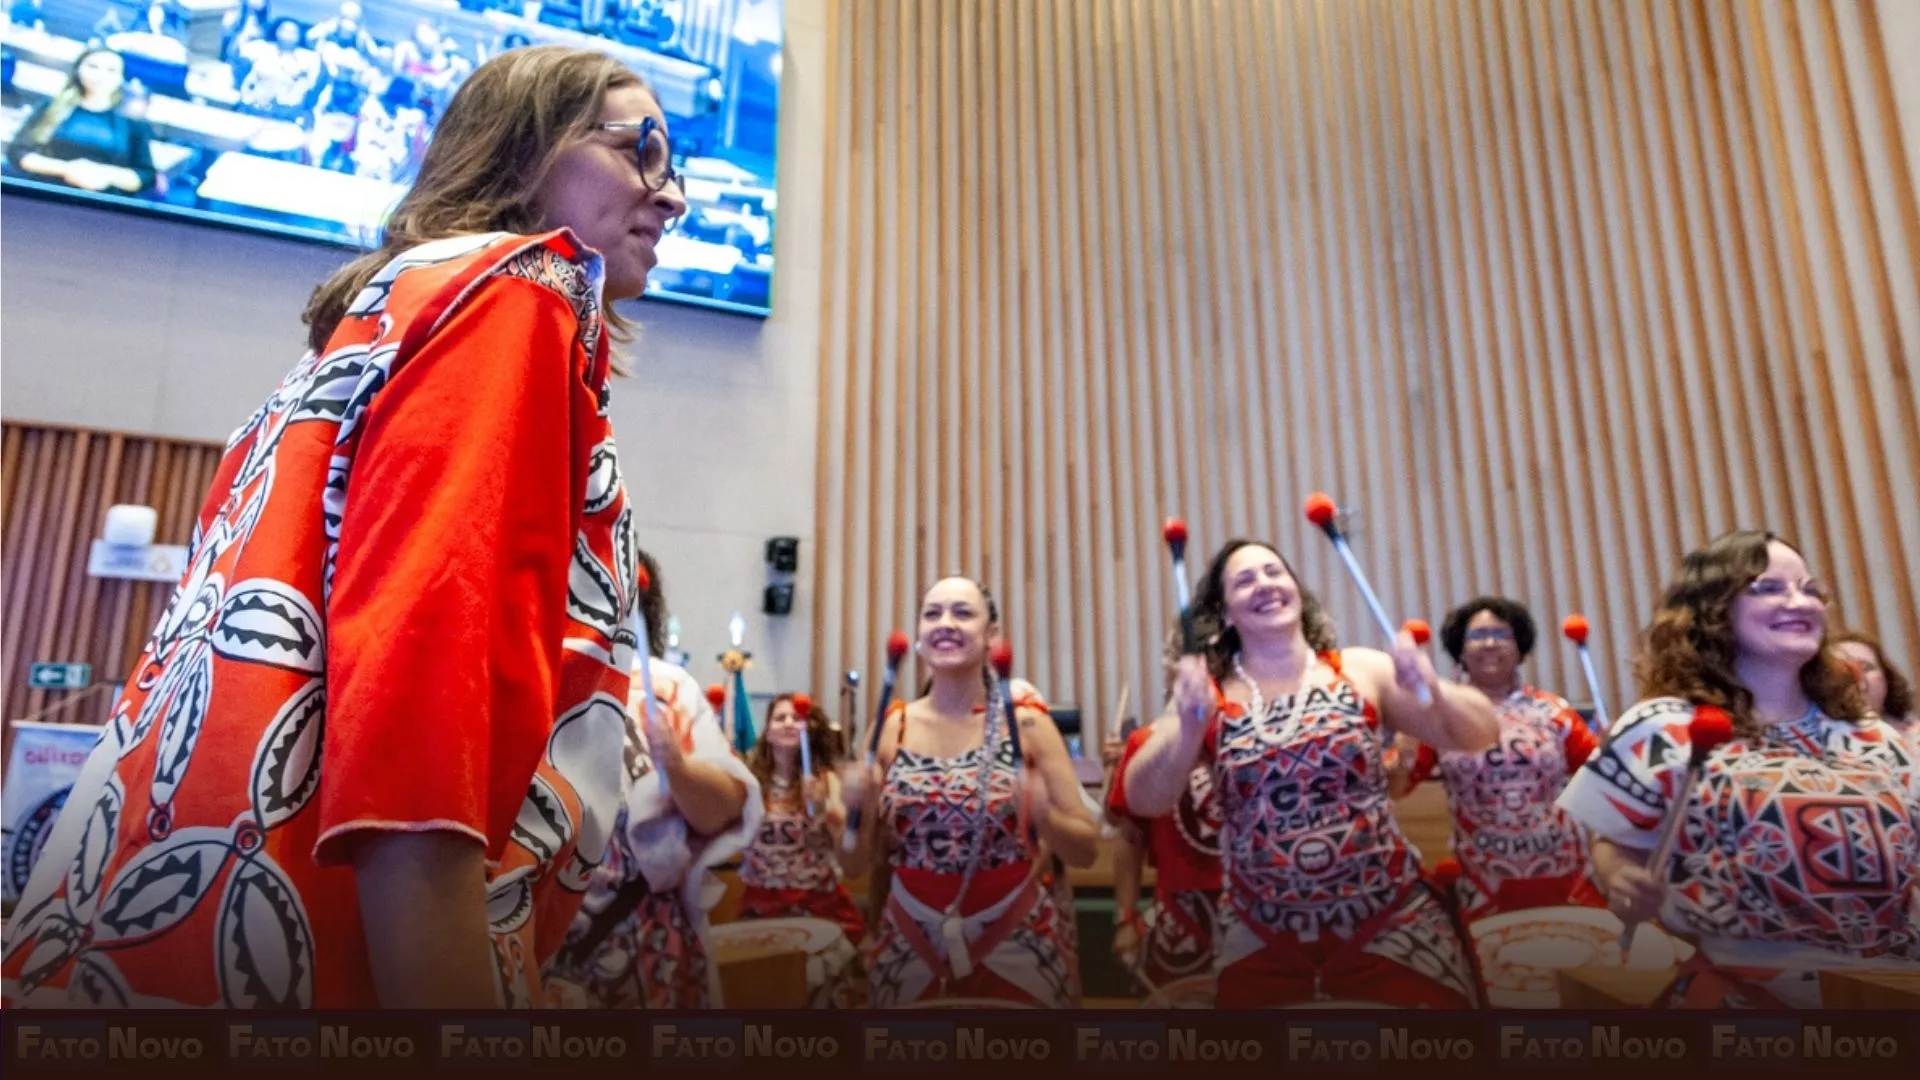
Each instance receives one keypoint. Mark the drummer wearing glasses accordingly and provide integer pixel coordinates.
(1516, 849)
(1799, 848)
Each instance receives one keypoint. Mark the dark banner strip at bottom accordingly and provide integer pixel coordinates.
(365, 1045)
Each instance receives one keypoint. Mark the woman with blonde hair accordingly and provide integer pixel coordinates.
(1799, 850)
(84, 136)
(420, 544)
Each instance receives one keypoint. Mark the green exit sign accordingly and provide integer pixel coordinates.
(59, 676)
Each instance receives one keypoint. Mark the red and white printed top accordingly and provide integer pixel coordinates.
(1808, 835)
(1309, 834)
(792, 849)
(1506, 825)
(1184, 845)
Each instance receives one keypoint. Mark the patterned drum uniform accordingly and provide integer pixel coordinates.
(931, 808)
(1800, 849)
(366, 566)
(1184, 847)
(790, 869)
(1324, 898)
(1517, 849)
(655, 956)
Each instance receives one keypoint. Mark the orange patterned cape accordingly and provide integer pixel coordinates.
(408, 607)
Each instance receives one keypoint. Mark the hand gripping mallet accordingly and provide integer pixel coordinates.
(896, 649)
(1322, 512)
(1709, 729)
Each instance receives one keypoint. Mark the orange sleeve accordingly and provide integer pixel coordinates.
(1424, 763)
(449, 595)
(1117, 791)
(1580, 740)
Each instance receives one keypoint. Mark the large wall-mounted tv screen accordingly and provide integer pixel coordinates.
(310, 117)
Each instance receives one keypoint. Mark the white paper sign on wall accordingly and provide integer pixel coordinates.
(148, 562)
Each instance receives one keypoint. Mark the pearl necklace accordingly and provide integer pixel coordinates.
(1259, 702)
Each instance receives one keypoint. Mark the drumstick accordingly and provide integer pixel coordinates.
(1322, 512)
(1576, 630)
(643, 584)
(896, 649)
(803, 707)
(1709, 729)
(1001, 656)
(1174, 532)
(849, 706)
(717, 697)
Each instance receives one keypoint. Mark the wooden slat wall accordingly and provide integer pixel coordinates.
(1550, 291)
(55, 487)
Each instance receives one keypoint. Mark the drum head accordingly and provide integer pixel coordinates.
(807, 935)
(1523, 952)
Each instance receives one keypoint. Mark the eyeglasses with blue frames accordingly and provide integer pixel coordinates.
(1814, 590)
(652, 151)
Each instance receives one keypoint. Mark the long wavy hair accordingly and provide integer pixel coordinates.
(1218, 641)
(1688, 650)
(490, 151)
(1899, 703)
(40, 128)
(820, 741)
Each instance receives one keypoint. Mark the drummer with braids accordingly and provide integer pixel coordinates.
(1324, 899)
(969, 915)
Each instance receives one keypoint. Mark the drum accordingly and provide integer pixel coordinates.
(1192, 992)
(832, 974)
(1523, 952)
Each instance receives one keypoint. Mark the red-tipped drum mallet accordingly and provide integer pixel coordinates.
(1709, 730)
(897, 646)
(1323, 513)
(717, 697)
(1174, 532)
(1576, 630)
(1001, 657)
(803, 708)
(1422, 633)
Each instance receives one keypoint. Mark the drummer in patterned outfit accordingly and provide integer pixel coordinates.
(1183, 847)
(1324, 898)
(790, 869)
(1800, 849)
(640, 939)
(1516, 849)
(969, 914)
